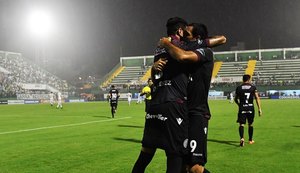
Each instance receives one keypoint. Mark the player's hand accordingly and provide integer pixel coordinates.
(163, 41)
(160, 64)
(260, 112)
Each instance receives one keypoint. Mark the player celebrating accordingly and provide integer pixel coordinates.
(201, 59)
(244, 99)
(166, 119)
(113, 97)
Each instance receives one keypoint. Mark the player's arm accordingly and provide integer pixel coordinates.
(216, 40)
(118, 94)
(142, 93)
(159, 64)
(178, 53)
(258, 103)
(236, 99)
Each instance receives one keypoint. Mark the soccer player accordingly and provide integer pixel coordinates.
(231, 97)
(113, 97)
(244, 95)
(198, 88)
(147, 93)
(140, 98)
(59, 102)
(129, 96)
(51, 98)
(166, 119)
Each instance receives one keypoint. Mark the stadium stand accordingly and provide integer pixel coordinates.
(217, 67)
(16, 73)
(130, 75)
(278, 65)
(111, 77)
(232, 69)
(281, 72)
(146, 76)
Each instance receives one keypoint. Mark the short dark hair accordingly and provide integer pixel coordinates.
(174, 23)
(199, 29)
(246, 77)
(112, 86)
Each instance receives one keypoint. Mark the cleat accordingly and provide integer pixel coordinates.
(251, 142)
(242, 142)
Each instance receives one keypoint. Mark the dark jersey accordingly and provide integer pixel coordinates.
(245, 93)
(114, 95)
(171, 83)
(193, 45)
(200, 78)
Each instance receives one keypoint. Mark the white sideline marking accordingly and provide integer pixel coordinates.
(66, 125)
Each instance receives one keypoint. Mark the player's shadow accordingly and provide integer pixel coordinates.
(295, 126)
(102, 116)
(130, 126)
(127, 140)
(232, 143)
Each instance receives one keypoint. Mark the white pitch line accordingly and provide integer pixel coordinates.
(66, 125)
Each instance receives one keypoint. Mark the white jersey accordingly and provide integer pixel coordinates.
(129, 95)
(59, 103)
(231, 97)
(51, 96)
(59, 96)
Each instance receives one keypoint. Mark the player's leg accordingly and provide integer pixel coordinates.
(112, 108)
(143, 160)
(176, 135)
(116, 106)
(198, 130)
(242, 121)
(250, 119)
(250, 133)
(174, 163)
(241, 133)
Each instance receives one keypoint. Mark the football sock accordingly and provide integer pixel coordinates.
(241, 131)
(142, 162)
(250, 132)
(174, 164)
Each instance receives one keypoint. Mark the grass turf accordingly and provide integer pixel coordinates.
(83, 138)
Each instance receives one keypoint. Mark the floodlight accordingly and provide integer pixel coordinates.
(40, 23)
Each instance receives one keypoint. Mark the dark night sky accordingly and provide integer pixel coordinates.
(90, 35)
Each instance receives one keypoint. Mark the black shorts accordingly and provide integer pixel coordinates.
(166, 127)
(198, 130)
(244, 116)
(114, 104)
(147, 105)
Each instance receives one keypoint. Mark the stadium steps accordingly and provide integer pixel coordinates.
(146, 76)
(280, 70)
(250, 67)
(112, 76)
(217, 67)
(128, 75)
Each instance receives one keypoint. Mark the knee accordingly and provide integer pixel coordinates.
(148, 150)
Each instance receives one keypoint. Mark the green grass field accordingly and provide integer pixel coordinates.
(83, 138)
